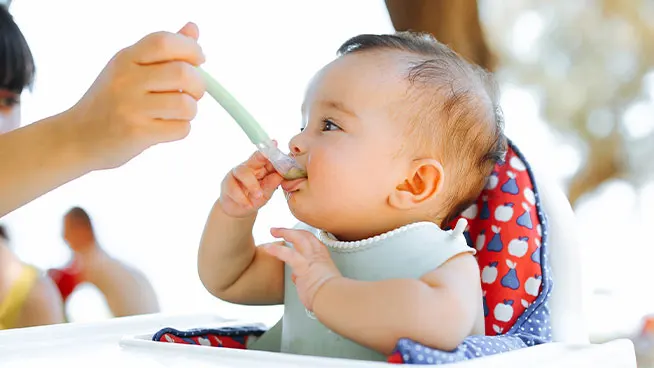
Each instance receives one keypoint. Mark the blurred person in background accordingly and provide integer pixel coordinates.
(126, 290)
(27, 298)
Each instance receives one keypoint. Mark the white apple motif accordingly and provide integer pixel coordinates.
(525, 303)
(204, 341)
(539, 229)
(530, 196)
(492, 181)
(518, 247)
(504, 213)
(471, 212)
(481, 240)
(489, 273)
(504, 311)
(517, 164)
(532, 285)
(497, 329)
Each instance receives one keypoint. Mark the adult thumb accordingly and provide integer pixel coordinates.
(170, 130)
(190, 29)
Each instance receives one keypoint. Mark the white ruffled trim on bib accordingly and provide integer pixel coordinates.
(331, 242)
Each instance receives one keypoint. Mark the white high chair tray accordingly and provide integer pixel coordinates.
(616, 354)
(124, 342)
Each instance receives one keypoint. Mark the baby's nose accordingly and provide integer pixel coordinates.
(297, 145)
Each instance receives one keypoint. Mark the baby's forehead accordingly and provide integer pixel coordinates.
(361, 78)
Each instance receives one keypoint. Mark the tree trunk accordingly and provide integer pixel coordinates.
(604, 162)
(453, 22)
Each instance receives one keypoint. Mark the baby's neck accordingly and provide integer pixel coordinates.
(369, 231)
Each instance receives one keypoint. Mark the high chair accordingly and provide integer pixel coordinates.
(129, 341)
(524, 231)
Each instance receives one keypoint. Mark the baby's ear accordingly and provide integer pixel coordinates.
(423, 182)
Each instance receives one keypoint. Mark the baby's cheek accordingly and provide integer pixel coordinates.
(337, 175)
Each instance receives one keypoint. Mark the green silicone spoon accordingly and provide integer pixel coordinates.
(284, 164)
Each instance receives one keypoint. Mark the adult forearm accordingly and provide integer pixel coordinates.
(39, 158)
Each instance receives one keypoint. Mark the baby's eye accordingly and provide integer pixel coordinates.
(329, 125)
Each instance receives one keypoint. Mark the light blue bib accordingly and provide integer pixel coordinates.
(408, 252)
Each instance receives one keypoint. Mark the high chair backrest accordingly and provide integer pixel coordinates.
(565, 303)
(509, 229)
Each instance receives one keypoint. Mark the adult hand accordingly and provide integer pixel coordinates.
(147, 94)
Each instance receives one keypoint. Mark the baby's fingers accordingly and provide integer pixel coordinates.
(270, 183)
(304, 241)
(287, 255)
(245, 176)
(236, 192)
(256, 161)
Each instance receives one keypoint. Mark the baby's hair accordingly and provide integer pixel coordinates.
(16, 62)
(458, 117)
(79, 214)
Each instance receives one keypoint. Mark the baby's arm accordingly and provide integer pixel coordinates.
(439, 310)
(230, 266)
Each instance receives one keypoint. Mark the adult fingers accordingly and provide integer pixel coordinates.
(171, 106)
(163, 46)
(174, 76)
(190, 29)
(169, 130)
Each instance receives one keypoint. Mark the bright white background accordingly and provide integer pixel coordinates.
(150, 213)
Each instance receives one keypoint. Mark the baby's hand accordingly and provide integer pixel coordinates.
(309, 259)
(249, 186)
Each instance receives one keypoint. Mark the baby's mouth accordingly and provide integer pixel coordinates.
(290, 186)
(298, 171)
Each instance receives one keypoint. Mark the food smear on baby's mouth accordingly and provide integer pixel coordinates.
(295, 173)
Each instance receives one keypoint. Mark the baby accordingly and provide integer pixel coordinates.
(398, 136)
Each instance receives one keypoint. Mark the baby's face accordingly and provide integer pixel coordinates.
(354, 126)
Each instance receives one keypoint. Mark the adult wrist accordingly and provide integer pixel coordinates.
(77, 146)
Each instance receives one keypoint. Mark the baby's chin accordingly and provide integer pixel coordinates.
(301, 210)
(322, 221)
(308, 214)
